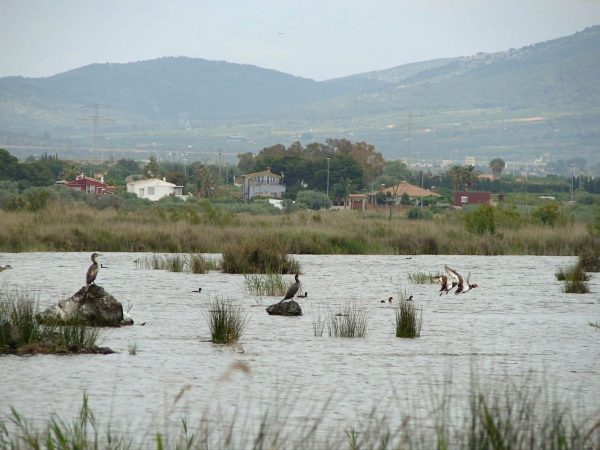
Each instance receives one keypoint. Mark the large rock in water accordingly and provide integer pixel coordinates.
(287, 308)
(96, 308)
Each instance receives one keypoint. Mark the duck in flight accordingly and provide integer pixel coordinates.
(448, 282)
(462, 285)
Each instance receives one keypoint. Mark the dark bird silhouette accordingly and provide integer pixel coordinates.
(389, 300)
(102, 266)
(199, 290)
(292, 289)
(462, 285)
(8, 266)
(302, 295)
(92, 273)
(410, 299)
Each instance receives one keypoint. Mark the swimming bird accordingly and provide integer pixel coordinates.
(302, 295)
(389, 300)
(462, 285)
(410, 299)
(199, 290)
(92, 273)
(292, 289)
(8, 266)
(102, 266)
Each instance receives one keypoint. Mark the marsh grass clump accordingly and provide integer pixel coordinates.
(589, 260)
(258, 257)
(574, 278)
(270, 284)
(225, 321)
(348, 322)
(408, 319)
(199, 264)
(421, 278)
(20, 331)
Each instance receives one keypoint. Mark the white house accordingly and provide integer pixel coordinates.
(155, 189)
(262, 184)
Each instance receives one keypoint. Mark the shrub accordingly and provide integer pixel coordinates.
(225, 321)
(419, 214)
(589, 260)
(481, 220)
(313, 200)
(548, 214)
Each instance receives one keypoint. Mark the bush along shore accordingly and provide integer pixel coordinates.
(80, 228)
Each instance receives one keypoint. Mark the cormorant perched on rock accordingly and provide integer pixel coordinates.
(5, 267)
(90, 276)
(292, 289)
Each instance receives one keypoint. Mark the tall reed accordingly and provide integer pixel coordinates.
(225, 321)
(348, 322)
(263, 256)
(421, 278)
(270, 284)
(408, 319)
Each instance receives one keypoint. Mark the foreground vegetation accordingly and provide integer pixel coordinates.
(515, 418)
(20, 332)
(184, 229)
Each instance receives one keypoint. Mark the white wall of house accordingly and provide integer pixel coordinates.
(154, 189)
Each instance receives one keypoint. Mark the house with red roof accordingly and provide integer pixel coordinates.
(90, 185)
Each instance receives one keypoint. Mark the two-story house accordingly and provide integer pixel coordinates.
(262, 184)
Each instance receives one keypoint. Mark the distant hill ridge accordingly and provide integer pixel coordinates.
(561, 76)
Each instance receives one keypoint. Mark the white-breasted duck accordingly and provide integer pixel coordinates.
(463, 285)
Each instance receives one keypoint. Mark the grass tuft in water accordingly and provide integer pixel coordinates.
(200, 264)
(271, 284)
(225, 321)
(261, 256)
(20, 331)
(574, 278)
(348, 322)
(408, 319)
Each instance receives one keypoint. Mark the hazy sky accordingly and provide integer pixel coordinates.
(317, 39)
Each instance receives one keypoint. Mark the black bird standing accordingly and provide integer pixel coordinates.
(92, 273)
(292, 290)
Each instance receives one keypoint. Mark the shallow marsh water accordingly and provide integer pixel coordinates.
(517, 326)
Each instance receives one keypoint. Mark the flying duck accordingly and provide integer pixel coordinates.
(463, 285)
(448, 283)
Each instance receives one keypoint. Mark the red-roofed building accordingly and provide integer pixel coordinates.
(90, 185)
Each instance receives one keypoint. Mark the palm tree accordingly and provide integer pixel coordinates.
(497, 165)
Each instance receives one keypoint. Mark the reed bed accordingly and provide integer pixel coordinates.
(515, 418)
(409, 319)
(270, 284)
(258, 257)
(177, 263)
(21, 333)
(225, 321)
(348, 322)
(80, 228)
(421, 278)
(574, 278)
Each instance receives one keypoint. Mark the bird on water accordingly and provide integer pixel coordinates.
(92, 273)
(8, 266)
(292, 289)
(302, 295)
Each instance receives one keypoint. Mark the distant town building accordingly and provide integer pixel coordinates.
(470, 161)
(90, 185)
(154, 189)
(261, 184)
(476, 198)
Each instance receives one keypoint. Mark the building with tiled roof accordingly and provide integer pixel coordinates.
(409, 189)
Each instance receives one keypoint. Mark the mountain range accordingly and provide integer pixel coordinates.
(543, 99)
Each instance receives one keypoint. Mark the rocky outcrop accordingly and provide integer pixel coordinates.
(287, 308)
(95, 308)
